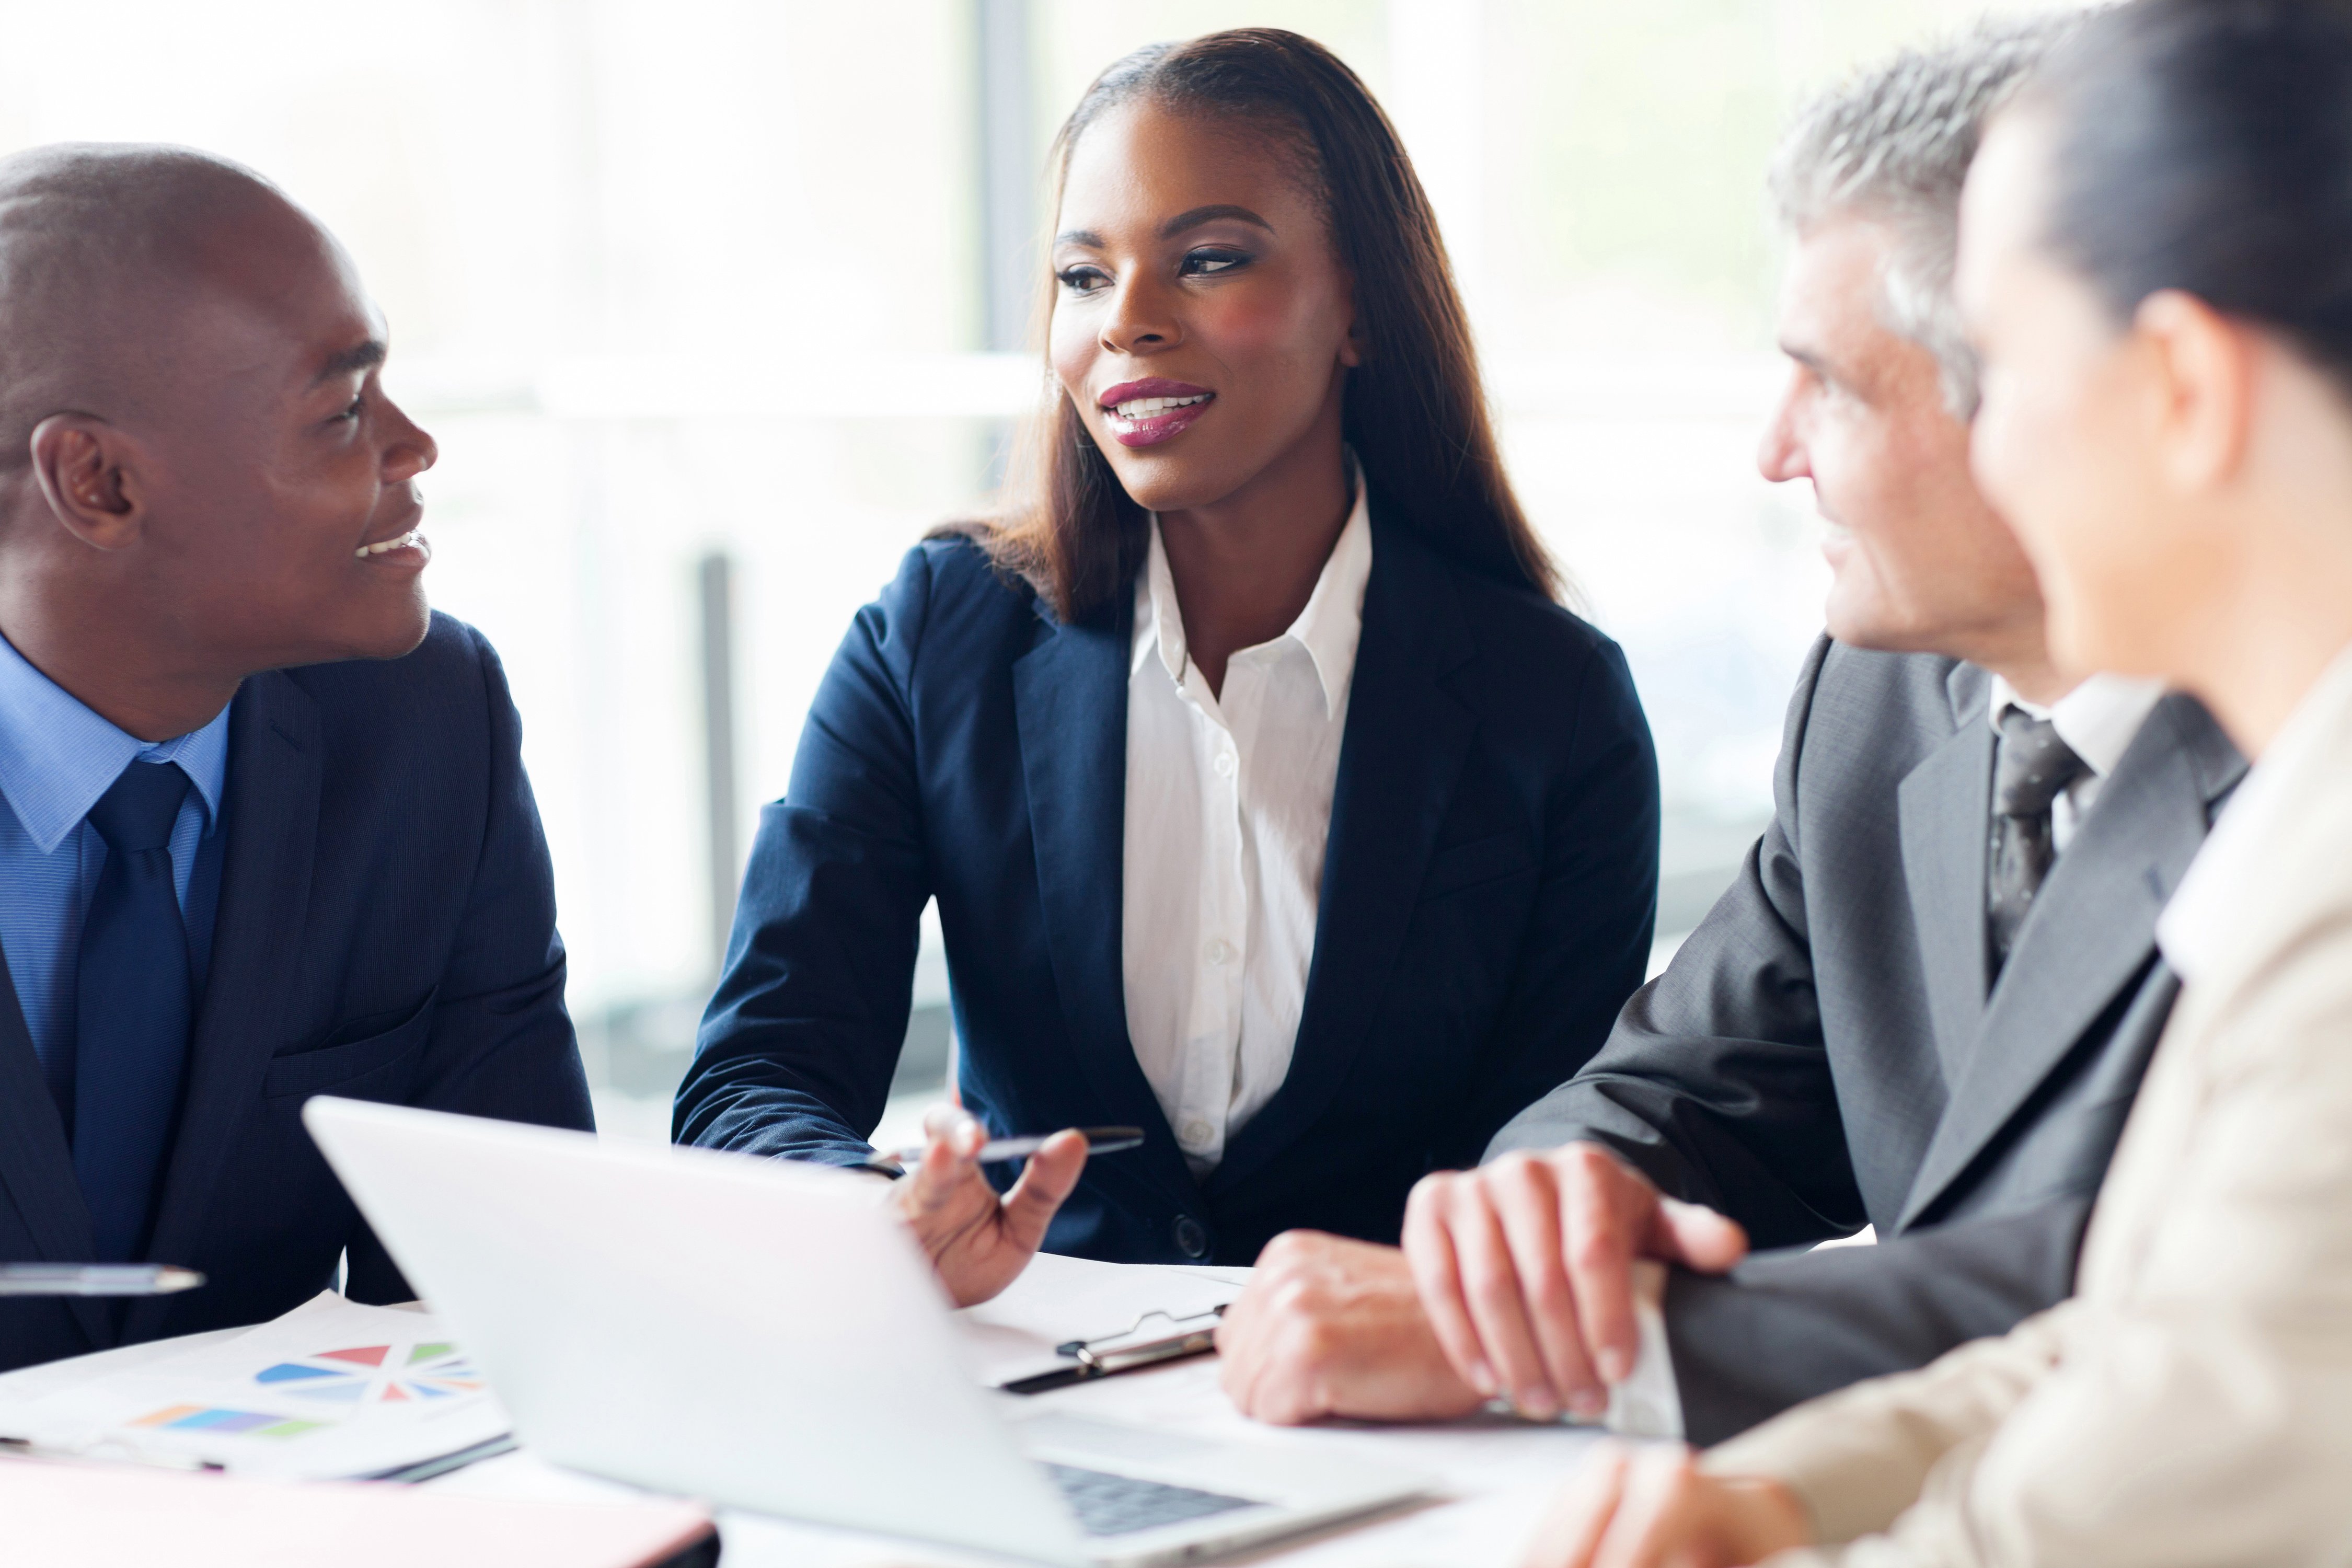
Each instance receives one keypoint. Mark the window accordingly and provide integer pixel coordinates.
(712, 279)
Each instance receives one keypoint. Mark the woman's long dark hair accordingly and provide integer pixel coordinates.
(2206, 145)
(1415, 411)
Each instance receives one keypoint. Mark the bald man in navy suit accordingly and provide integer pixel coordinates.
(263, 828)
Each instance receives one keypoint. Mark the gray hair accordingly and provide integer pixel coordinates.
(1892, 145)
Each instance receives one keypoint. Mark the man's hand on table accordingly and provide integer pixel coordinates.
(1332, 1327)
(1525, 1269)
(1651, 1506)
(980, 1242)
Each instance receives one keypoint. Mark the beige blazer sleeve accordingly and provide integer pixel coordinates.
(1859, 1458)
(2193, 1405)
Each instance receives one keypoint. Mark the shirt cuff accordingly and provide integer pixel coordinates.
(1649, 1403)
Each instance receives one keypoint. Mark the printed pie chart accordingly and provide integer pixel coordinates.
(433, 1370)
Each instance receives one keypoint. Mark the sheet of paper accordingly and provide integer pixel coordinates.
(332, 1389)
(1058, 1299)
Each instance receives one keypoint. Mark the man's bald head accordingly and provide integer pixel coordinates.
(196, 452)
(122, 267)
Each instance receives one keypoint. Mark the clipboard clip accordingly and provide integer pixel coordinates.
(1105, 1356)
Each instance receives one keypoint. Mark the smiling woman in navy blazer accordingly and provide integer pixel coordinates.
(1270, 800)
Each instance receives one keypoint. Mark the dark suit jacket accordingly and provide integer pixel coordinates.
(1823, 1053)
(387, 931)
(1485, 907)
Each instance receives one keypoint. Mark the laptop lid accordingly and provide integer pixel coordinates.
(756, 1331)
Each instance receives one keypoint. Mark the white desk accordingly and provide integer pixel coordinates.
(1498, 1477)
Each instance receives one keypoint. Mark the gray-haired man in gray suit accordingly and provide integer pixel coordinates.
(1926, 1003)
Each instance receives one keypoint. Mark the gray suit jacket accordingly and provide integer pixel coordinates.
(1823, 1053)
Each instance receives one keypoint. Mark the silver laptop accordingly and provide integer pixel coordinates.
(766, 1335)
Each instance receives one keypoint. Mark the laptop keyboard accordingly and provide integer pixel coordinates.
(1121, 1505)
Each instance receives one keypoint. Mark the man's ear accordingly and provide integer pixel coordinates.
(89, 473)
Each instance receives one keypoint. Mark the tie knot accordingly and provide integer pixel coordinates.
(2031, 765)
(137, 811)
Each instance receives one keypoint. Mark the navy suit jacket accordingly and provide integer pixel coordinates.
(387, 931)
(1487, 902)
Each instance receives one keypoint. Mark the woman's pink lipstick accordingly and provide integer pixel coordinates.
(1146, 412)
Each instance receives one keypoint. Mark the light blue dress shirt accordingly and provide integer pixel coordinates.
(57, 758)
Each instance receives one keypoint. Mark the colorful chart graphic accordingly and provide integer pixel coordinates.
(354, 1377)
(436, 1371)
(195, 1418)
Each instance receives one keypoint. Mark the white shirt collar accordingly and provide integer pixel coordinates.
(2209, 911)
(2097, 720)
(1328, 628)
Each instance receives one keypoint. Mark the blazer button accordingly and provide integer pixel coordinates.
(1191, 1236)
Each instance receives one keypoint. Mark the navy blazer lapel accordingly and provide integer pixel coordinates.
(2092, 930)
(271, 817)
(1945, 806)
(1402, 752)
(1069, 698)
(36, 1163)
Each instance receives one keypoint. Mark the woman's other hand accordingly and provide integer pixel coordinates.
(976, 1240)
(1651, 1506)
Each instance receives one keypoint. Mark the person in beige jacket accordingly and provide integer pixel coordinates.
(2156, 266)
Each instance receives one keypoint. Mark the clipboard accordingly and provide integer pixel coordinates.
(1108, 1355)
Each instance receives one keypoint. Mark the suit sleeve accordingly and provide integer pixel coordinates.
(1786, 1327)
(1716, 1083)
(1588, 941)
(799, 1041)
(2195, 1404)
(502, 1044)
(1859, 1458)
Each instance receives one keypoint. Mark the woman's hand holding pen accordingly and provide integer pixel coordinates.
(978, 1240)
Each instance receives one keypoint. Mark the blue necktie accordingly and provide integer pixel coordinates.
(135, 1005)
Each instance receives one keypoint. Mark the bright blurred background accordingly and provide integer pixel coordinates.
(716, 305)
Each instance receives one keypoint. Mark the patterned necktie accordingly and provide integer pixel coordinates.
(2031, 767)
(135, 1003)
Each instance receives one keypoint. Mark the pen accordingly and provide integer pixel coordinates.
(1099, 1141)
(95, 1279)
(122, 1453)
